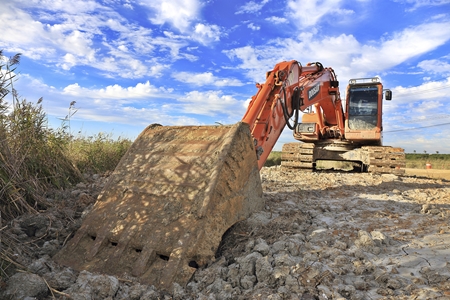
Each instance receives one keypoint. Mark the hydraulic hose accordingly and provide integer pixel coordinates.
(295, 107)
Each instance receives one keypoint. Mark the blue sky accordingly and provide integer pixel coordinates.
(131, 63)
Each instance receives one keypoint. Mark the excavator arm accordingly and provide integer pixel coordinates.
(289, 89)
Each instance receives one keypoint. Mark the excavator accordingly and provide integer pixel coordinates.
(178, 189)
(330, 134)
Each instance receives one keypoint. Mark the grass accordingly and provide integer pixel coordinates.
(274, 159)
(36, 159)
(419, 161)
(97, 154)
(32, 156)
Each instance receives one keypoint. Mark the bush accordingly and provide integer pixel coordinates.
(32, 156)
(99, 153)
(35, 159)
(274, 159)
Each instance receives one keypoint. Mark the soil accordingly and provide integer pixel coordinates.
(430, 173)
(321, 235)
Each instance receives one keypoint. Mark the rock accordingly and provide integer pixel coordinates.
(283, 260)
(233, 274)
(278, 246)
(379, 238)
(324, 236)
(216, 286)
(279, 275)
(364, 240)
(261, 247)
(324, 292)
(75, 193)
(250, 245)
(263, 269)
(178, 292)
(95, 287)
(61, 280)
(360, 285)
(340, 245)
(150, 294)
(347, 291)
(393, 284)
(81, 185)
(341, 260)
(248, 281)
(23, 285)
(34, 225)
(40, 266)
(49, 248)
(247, 264)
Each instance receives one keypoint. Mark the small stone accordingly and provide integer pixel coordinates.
(393, 284)
(360, 285)
(248, 281)
(22, 285)
(261, 247)
(263, 269)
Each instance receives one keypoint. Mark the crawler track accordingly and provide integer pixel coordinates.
(373, 159)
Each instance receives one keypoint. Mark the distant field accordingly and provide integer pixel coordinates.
(419, 161)
(430, 173)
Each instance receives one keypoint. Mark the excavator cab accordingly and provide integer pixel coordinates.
(364, 107)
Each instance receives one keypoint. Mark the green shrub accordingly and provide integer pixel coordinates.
(274, 159)
(99, 153)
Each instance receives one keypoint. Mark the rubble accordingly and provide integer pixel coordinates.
(321, 235)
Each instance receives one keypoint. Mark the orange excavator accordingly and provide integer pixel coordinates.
(177, 190)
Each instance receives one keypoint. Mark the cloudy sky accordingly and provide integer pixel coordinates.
(130, 63)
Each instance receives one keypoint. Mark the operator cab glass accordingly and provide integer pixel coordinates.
(363, 107)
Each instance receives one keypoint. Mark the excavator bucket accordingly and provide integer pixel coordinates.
(165, 208)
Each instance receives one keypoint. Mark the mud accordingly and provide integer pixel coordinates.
(320, 236)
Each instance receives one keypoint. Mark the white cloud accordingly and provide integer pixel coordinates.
(277, 20)
(205, 34)
(156, 69)
(430, 90)
(421, 3)
(308, 13)
(252, 7)
(128, 94)
(331, 51)
(402, 46)
(435, 66)
(132, 105)
(253, 26)
(211, 103)
(344, 53)
(179, 13)
(85, 39)
(75, 7)
(207, 78)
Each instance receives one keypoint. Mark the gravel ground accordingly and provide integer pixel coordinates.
(322, 235)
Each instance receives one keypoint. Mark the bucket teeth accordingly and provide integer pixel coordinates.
(165, 208)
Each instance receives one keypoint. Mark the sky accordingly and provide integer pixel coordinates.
(131, 63)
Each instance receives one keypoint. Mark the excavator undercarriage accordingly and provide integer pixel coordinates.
(372, 159)
(166, 206)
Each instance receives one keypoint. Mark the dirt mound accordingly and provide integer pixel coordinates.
(321, 235)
